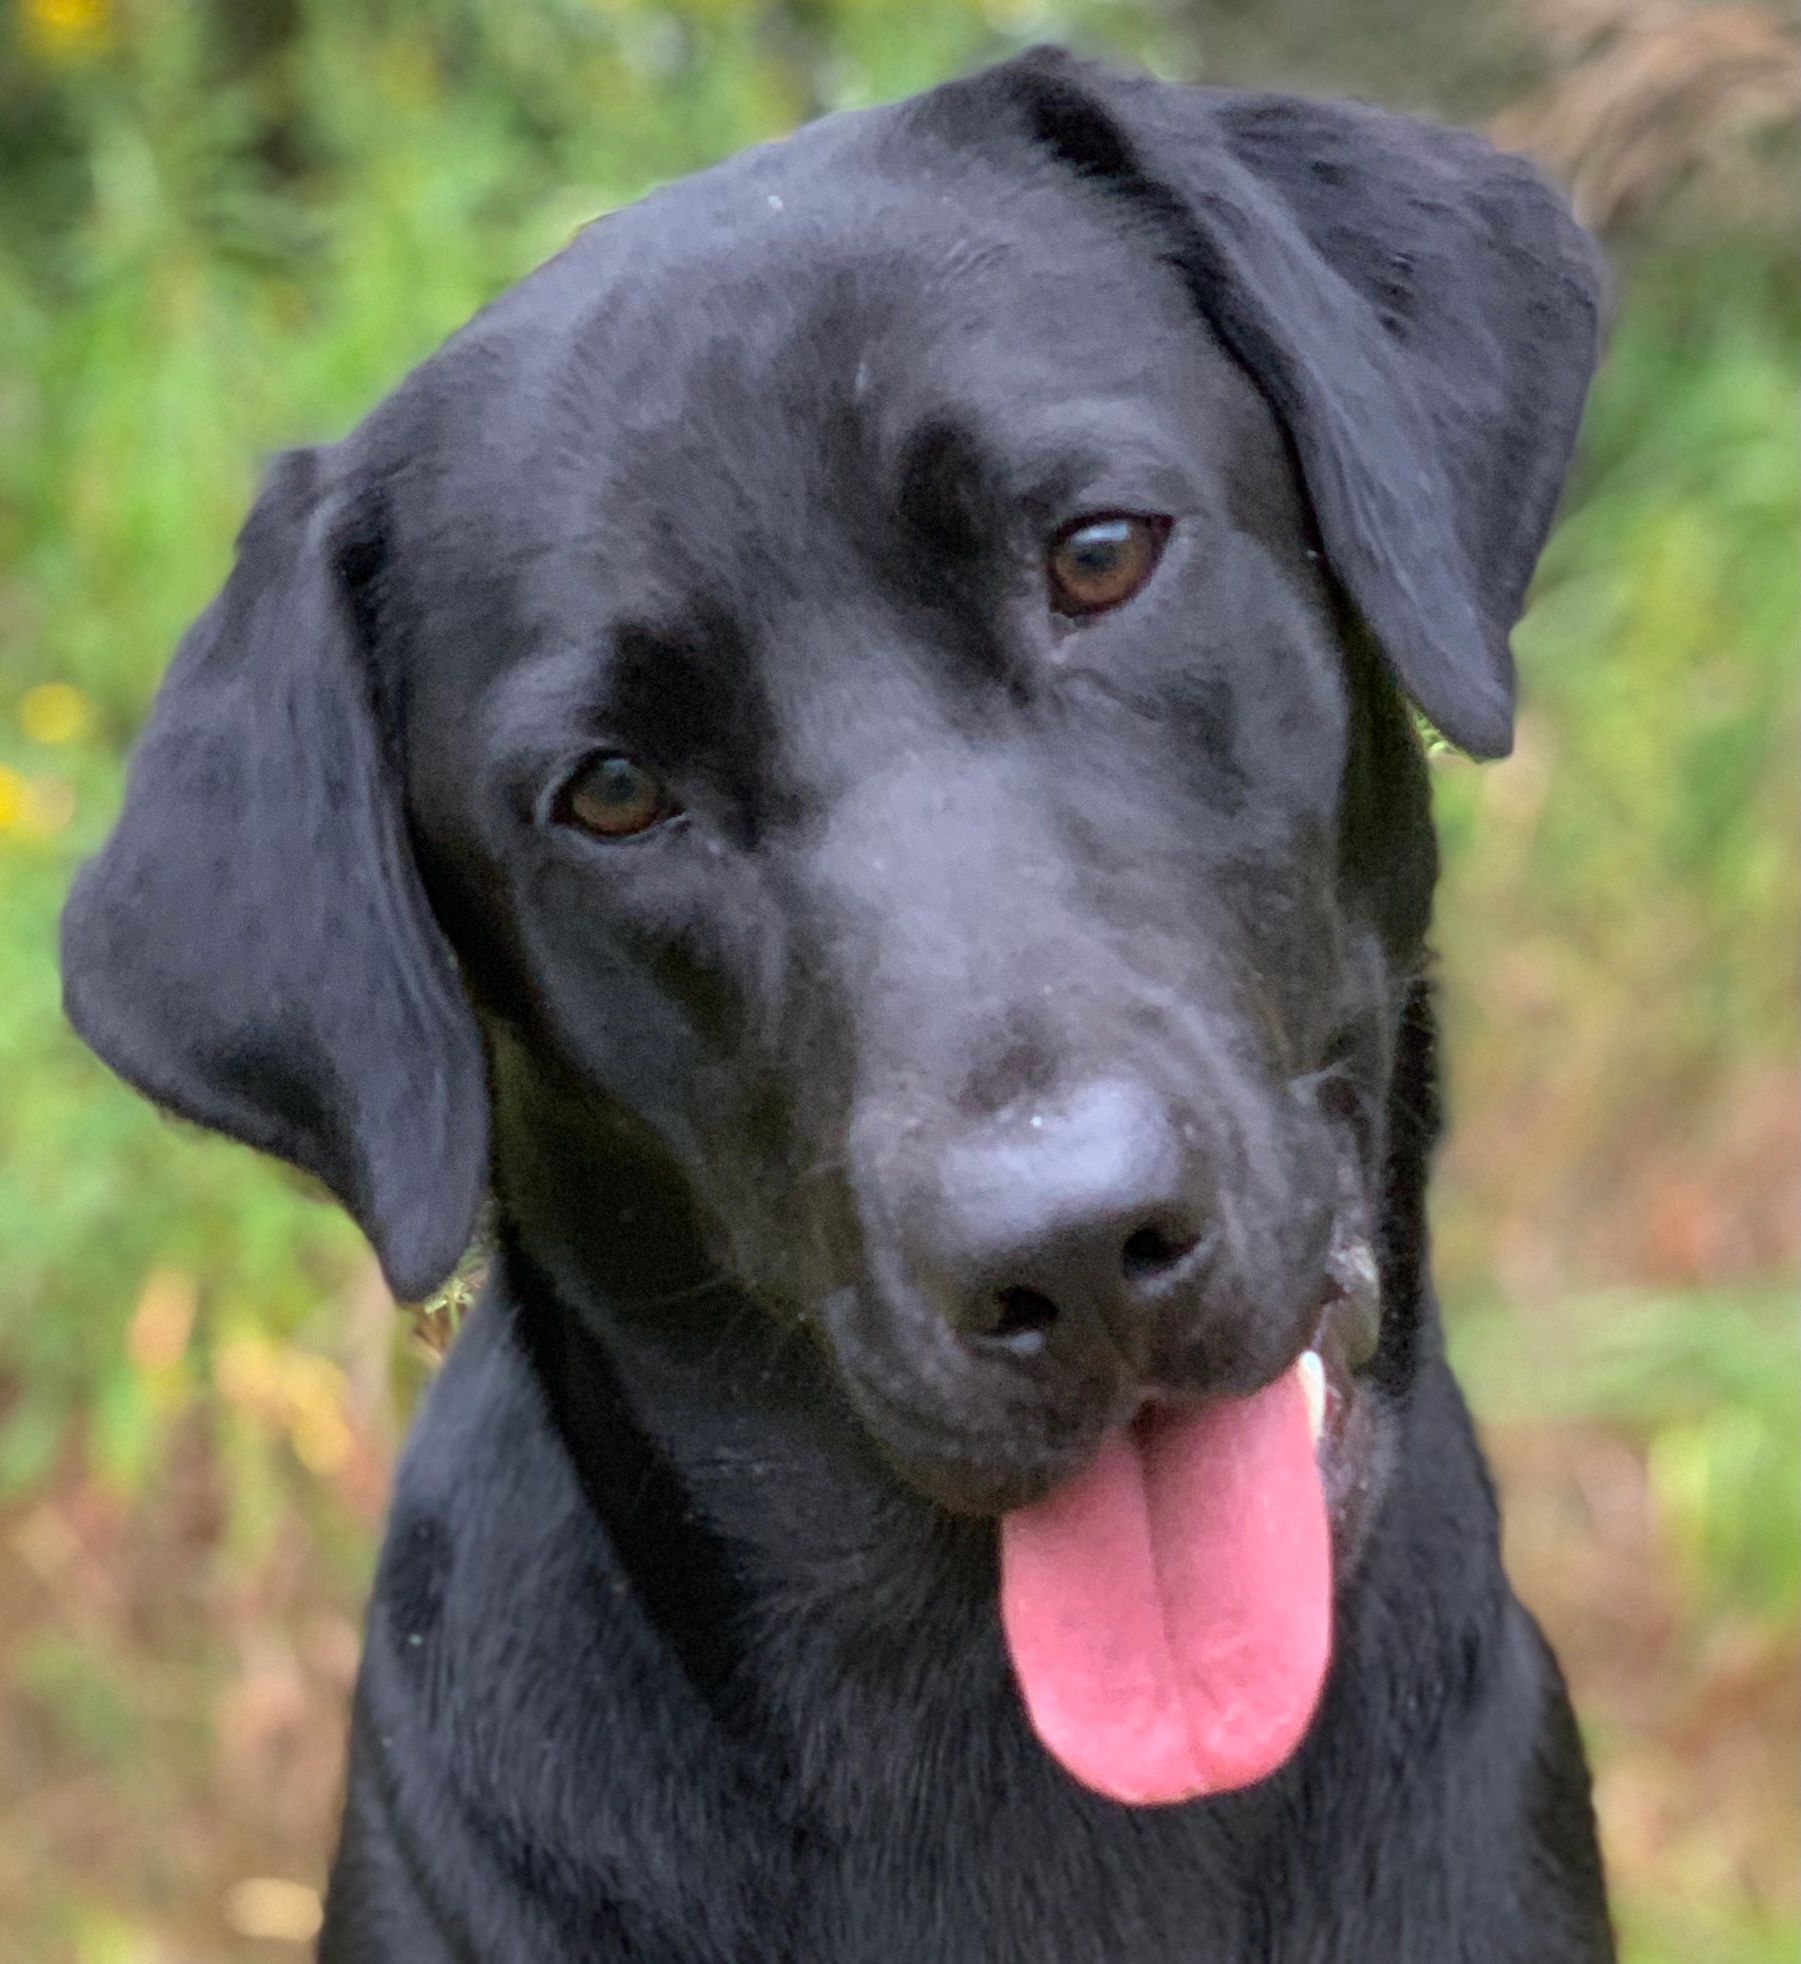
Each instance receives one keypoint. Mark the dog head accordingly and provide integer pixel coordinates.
(851, 733)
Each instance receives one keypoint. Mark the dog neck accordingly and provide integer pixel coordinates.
(742, 1498)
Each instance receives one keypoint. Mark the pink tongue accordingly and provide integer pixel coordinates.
(1169, 1610)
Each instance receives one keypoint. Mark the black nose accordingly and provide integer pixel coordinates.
(1067, 1221)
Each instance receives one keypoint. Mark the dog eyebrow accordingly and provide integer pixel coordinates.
(951, 490)
(963, 486)
(677, 695)
(1094, 459)
(671, 681)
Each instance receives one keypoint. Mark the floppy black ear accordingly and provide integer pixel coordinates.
(1421, 310)
(252, 947)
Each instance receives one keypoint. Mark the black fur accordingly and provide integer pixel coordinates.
(684, 1645)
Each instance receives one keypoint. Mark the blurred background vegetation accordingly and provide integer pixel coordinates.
(229, 225)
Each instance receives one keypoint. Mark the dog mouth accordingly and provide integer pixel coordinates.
(1338, 1357)
(1167, 1560)
(1168, 1608)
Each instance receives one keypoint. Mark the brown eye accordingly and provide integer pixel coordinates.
(614, 798)
(1099, 563)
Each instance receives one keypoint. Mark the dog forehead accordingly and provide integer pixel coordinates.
(711, 390)
(734, 308)
(732, 390)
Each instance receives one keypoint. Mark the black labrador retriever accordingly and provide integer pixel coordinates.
(844, 750)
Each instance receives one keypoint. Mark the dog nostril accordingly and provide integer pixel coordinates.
(1022, 1319)
(1150, 1253)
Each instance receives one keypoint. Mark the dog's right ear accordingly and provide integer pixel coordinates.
(252, 948)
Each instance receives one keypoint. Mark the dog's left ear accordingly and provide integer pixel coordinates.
(253, 947)
(1421, 310)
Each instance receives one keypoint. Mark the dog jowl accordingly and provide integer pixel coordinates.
(847, 751)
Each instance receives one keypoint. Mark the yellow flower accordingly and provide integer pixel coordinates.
(13, 797)
(54, 712)
(60, 22)
(67, 27)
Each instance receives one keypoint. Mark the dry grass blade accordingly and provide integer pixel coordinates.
(1652, 92)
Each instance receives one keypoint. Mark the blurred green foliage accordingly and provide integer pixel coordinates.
(1657, 667)
(1705, 1382)
(227, 225)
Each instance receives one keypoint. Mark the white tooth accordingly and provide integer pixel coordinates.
(1313, 1389)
